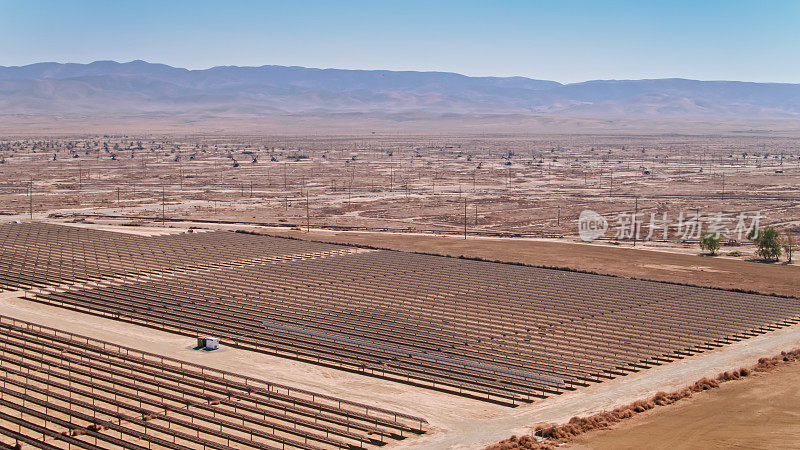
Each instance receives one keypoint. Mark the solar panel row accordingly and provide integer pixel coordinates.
(62, 390)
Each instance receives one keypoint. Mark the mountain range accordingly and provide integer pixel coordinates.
(139, 88)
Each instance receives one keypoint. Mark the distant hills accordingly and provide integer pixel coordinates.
(139, 88)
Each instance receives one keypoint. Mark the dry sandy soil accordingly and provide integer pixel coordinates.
(382, 124)
(528, 185)
(760, 411)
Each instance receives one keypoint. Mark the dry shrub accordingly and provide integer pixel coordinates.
(578, 425)
(641, 406)
(735, 375)
(622, 413)
(519, 443)
(704, 384)
(767, 363)
(663, 398)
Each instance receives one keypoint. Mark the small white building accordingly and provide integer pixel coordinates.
(208, 343)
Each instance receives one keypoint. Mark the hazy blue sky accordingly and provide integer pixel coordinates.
(558, 40)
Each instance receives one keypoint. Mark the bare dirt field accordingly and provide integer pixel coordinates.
(664, 189)
(383, 124)
(760, 411)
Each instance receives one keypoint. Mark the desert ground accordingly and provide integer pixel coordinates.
(517, 199)
(756, 412)
(498, 185)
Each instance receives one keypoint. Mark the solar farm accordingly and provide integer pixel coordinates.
(491, 332)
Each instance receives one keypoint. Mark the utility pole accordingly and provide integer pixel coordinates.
(285, 194)
(558, 219)
(117, 196)
(308, 216)
(350, 184)
(465, 217)
(163, 206)
(30, 198)
(474, 173)
(635, 213)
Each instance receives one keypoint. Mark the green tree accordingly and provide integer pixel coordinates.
(768, 242)
(710, 242)
(789, 246)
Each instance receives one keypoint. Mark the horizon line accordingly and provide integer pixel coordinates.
(399, 71)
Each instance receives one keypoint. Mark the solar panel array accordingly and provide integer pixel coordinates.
(61, 390)
(498, 332)
(41, 254)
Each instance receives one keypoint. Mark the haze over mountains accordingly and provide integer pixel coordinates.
(138, 88)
